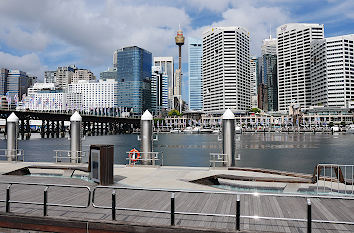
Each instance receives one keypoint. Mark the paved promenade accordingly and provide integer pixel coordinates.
(172, 178)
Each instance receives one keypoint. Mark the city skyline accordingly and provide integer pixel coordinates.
(35, 40)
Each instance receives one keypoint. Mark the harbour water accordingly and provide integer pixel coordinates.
(280, 151)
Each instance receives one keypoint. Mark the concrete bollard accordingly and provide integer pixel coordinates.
(75, 142)
(146, 137)
(228, 130)
(12, 132)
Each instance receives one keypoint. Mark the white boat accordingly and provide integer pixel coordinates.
(335, 129)
(350, 129)
(216, 131)
(238, 130)
(188, 130)
(206, 131)
(175, 131)
(196, 130)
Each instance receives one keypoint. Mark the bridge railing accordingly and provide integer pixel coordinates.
(335, 179)
(67, 156)
(135, 158)
(17, 155)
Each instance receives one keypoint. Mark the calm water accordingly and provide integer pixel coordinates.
(289, 152)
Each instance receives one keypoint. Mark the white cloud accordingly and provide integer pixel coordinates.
(29, 63)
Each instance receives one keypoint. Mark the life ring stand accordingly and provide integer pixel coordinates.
(132, 152)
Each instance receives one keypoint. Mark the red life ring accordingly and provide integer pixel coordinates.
(132, 154)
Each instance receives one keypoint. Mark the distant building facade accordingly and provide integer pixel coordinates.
(134, 79)
(195, 55)
(332, 71)
(253, 80)
(82, 74)
(293, 64)
(167, 68)
(226, 69)
(159, 90)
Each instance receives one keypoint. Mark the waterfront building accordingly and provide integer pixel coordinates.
(195, 54)
(37, 87)
(226, 69)
(111, 73)
(50, 76)
(92, 95)
(293, 65)
(46, 100)
(82, 74)
(167, 68)
(159, 90)
(253, 80)
(332, 71)
(134, 76)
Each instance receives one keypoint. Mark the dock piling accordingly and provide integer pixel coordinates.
(12, 131)
(146, 137)
(8, 199)
(45, 200)
(228, 130)
(75, 137)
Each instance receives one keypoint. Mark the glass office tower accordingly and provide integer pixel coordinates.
(134, 76)
(195, 53)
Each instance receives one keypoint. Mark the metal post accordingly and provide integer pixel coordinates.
(228, 129)
(114, 205)
(75, 143)
(146, 137)
(8, 199)
(12, 131)
(172, 209)
(238, 212)
(309, 216)
(45, 200)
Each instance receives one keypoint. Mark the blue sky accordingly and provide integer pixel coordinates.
(39, 35)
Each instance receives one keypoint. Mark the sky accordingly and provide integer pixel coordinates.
(39, 35)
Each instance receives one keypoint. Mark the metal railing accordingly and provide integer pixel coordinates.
(335, 178)
(155, 158)
(172, 212)
(15, 154)
(217, 158)
(45, 202)
(66, 156)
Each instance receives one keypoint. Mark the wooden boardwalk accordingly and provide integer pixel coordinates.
(265, 206)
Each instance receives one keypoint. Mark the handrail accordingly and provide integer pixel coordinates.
(13, 153)
(237, 215)
(8, 200)
(152, 156)
(78, 158)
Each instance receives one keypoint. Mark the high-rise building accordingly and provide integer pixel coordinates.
(4, 73)
(332, 71)
(111, 73)
(17, 83)
(269, 46)
(134, 75)
(50, 76)
(159, 90)
(64, 75)
(82, 74)
(253, 80)
(115, 59)
(167, 68)
(226, 69)
(294, 79)
(195, 55)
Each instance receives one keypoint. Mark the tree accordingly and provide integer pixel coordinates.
(174, 112)
(255, 110)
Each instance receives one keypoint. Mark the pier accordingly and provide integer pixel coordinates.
(143, 201)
